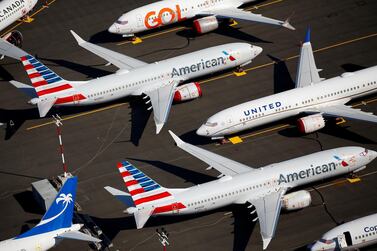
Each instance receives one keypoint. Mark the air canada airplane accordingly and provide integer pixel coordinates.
(157, 81)
(55, 226)
(262, 189)
(352, 235)
(207, 14)
(314, 99)
(10, 12)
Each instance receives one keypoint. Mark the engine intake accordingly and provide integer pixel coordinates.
(14, 37)
(311, 123)
(296, 200)
(206, 24)
(187, 92)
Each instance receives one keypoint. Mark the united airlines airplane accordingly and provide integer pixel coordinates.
(353, 235)
(262, 189)
(314, 98)
(10, 12)
(55, 226)
(207, 14)
(157, 81)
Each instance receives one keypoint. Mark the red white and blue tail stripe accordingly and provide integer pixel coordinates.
(44, 80)
(142, 189)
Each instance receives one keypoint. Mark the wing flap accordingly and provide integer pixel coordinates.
(268, 210)
(224, 165)
(348, 112)
(236, 13)
(307, 72)
(121, 61)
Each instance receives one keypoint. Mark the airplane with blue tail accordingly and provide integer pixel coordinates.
(55, 226)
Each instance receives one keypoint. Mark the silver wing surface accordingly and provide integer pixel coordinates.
(9, 50)
(162, 99)
(347, 112)
(268, 210)
(121, 61)
(307, 72)
(224, 165)
(232, 12)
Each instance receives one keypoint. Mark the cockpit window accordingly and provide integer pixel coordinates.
(364, 153)
(210, 124)
(121, 22)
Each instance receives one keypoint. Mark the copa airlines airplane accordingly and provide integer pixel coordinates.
(264, 189)
(314, 97)
(55, 226)
(159, 81)
(353, 235)
(10, 12)
(207, 12)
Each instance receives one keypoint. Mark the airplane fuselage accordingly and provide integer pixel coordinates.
(162, 13)
(349, 236)
(183, 68)
(337, 90)
(12, 10)
(257, 183)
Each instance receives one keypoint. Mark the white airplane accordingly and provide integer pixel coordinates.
(314, 97)
(10, 12)
(207, 12)
(159, 81)
(352, 235)
(263, 189)
(55, 226)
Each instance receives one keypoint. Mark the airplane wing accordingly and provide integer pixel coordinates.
(307, 72)
(268, 210)
(9, 50)
(162, 99)
(347, 112)
(77, 235)
(232, 12)
(224, 165)
(121, 61)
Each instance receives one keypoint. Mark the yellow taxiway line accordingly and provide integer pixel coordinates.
(229, 75)
(179, 28)
(32, 15)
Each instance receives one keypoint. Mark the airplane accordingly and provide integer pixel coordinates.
(10, 12)
(55, 226)
(158, 81)
(352, 235)
(314, 99)
(263, 189)
(208, 13)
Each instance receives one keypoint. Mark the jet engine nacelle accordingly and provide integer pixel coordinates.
(296, 200)
(311, 123)
(206, 24)
(187, 92)
(14, 37)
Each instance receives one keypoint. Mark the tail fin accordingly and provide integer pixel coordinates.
(144, 192)
(47, 83)
(60, 213)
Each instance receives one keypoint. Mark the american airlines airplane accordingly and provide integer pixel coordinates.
(158, 81)
(55, 226)
(353, 235)
(208, 14)
(10, 12)
(314, 99)
(262, 189)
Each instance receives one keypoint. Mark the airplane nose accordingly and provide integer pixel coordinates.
(257, 50)
(202, 131)
(113, 29)
(372, 154)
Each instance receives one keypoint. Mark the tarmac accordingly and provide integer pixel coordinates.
(344, 37)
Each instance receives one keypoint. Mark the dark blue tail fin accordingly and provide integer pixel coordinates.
(60, 213)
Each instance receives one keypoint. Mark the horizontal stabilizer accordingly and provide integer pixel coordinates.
(77, 235)
(44, 106)
(27, 89)
(142, 216)
(124, 197)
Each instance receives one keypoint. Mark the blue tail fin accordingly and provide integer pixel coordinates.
(60, 213)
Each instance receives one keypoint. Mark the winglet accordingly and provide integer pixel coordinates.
(266, 242)
(159, 127)
(287, 25)
(177, 140)
(307, 36)
(77, 37)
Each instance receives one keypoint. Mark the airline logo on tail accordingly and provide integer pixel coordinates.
(142, 188)
(43, 79)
